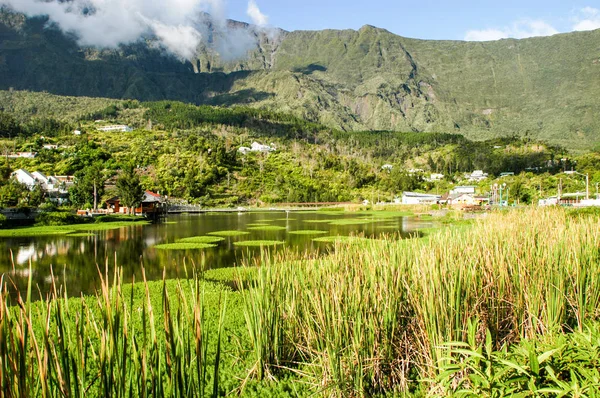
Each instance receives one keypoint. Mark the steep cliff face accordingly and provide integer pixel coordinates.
(369, 79)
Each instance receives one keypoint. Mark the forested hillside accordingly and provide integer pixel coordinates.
(192, 153)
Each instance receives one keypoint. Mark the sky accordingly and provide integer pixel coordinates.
(431, 19)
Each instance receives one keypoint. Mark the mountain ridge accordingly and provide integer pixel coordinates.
(366, 79)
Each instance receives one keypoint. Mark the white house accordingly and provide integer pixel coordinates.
(26, 155)
(24, 177)
(415, 198)
(244, 150)
(76, 132)
(256, 147)
(116, 127)
(435, 177)
(477, 175)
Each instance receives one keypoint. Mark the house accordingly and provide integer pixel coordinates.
(477, 175)
(24, 177)
(461, 200)
(76, 132)
(50, 146)
(464, 189)
(415, 198)
(151, 204)
(25, 155)
(256, 147)
(116, 127)
(387, 167)
(435, 177)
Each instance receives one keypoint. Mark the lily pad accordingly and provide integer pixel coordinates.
(229, 233)
(184, 246)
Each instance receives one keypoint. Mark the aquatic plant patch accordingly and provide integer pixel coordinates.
(184, 246)
(202, 239)
(229, 233)
(267, 228)
(308, 232)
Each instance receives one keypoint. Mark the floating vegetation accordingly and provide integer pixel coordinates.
(202, 239)
(319, 221)
(259, 243)
(342, 239)
(267, 228)
(285, 219)
(229, 233)
(308, 232)
(34, 231)
(257, 224)
(184, 246)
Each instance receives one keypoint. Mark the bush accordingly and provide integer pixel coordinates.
(51, 218)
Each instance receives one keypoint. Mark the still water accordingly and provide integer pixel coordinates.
(75, 260)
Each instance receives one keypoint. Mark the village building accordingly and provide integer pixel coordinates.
(23, 155)
(415, 198)
(257, 147)
(115, 128)
(464, 189)
(434, 177)
(477, 175)
(387, 167)
(151, 204)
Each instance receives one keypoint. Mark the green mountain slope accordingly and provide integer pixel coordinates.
(546, 88)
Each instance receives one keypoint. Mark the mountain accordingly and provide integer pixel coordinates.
(546, 88)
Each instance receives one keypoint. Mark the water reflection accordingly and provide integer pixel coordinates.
(76, 259)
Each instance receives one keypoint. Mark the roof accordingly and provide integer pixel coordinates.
(420, 195)
(151, 197)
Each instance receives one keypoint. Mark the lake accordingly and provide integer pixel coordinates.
(76, 259)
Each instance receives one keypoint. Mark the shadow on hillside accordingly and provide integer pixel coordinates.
(310, 69)
(246, 96)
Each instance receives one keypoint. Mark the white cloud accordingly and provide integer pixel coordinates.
(587, 18)
(518, 30)
(258, 18)
(178, 25)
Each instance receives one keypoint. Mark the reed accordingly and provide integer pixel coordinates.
(111, 344)
(373, 317)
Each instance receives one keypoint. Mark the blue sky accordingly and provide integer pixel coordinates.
(431, 19)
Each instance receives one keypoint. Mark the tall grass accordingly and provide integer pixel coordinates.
(112, 344)
(372, 318)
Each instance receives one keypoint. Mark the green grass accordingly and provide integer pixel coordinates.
(308, 232)
(184, 246)
(202, 239)
(259, 243)
(230, 233)
(267, 228)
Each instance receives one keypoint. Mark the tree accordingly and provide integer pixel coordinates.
(129, 188)
(88, 186)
